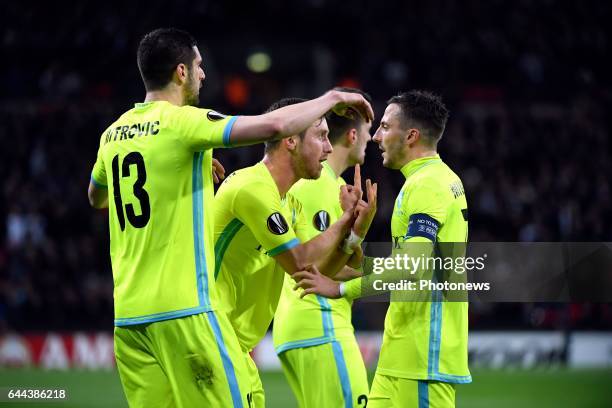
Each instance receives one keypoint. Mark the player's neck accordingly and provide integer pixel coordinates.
(171, 94)
(338, 160)
(282, 172)
(420, 153)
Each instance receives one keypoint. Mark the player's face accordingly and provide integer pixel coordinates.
(391, 137)
(312, 150)
(359, 148)
(194, 80)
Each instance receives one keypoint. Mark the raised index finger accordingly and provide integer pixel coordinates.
(357, 177)
(372, 193)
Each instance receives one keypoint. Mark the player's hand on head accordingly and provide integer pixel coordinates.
(365, 211)
(314, 282)
(218, 171)
(351, 194)
(350, 104)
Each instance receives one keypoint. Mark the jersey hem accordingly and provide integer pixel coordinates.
(316, 341)
(447, 378)
(157, 317)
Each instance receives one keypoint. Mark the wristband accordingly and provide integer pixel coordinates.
(351, 242)
(342, 289)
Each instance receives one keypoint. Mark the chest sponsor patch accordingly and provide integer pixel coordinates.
(277, 224)
(321, 220)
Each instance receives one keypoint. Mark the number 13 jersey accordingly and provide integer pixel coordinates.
(156, 161)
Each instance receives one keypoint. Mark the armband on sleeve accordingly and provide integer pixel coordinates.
(422, 225)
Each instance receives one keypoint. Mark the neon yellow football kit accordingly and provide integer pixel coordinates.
(314, 336)
(424, 342)
(253, 223)
(172, 348)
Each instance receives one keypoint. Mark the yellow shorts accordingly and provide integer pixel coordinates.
(256, 396)
(193, 361)
(395, 392)
(328, 375)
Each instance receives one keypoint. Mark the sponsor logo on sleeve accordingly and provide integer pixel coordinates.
(214, 116)
(321, 220)
(277, 224)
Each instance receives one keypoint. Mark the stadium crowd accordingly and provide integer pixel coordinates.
(526, 83)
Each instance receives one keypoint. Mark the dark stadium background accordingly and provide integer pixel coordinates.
(527, 83)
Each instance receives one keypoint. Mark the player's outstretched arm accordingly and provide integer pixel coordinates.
(293, 119)
(314, 282)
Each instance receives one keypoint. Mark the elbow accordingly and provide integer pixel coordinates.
(276, 128)
(96, 203)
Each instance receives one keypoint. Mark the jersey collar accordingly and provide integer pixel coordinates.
(415, 165)
(327, 168)
(143, 105)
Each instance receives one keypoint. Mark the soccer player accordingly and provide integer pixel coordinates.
(261, 233)
(424, 350)
(314, 336)
(153, 171)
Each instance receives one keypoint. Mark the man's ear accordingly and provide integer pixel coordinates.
(351, 137)
(412, 136)
(290, 142)
(182, 73)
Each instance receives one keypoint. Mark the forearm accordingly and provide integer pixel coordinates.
(280, 123)
(376, 276)
(342, 266)
(333, 264)
(295, 118)
(324, 249)
(347, 273)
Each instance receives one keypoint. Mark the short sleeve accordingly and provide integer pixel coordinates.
(202, 129)
(98, 174)
(426, 211)
(258, 207)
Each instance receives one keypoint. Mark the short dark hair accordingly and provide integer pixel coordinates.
(273, 144)
(424, 110)
(160, 51)
(339, 125)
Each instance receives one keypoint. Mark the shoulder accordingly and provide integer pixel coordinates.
(303, 188)
(250, 184)
(294, 202)
(173, 111)
(434, 180)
